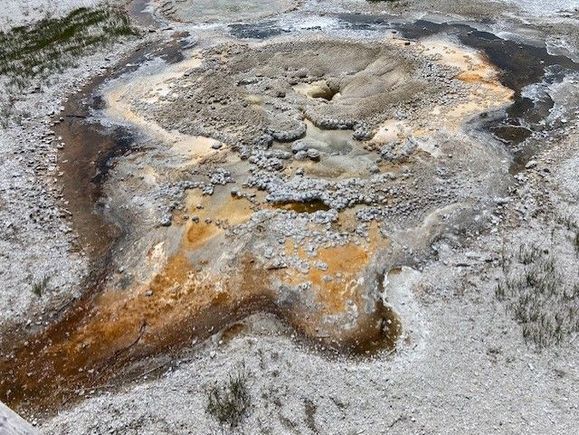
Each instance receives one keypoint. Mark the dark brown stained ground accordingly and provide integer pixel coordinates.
(105, 333)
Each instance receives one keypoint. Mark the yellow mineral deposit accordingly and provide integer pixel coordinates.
(122, 96)
(486, 91)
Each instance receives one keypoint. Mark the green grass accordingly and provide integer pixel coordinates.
(229, 403)
(38, 287)
(52, 44)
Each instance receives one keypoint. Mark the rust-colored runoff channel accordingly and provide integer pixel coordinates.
(97, 342)
(103, 334)
(99, 339)
(33, 373)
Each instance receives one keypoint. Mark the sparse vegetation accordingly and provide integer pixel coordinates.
(310, 409)
(52, 44)
(39, 286)
(230, 403)
(539, 297)
(567, 220)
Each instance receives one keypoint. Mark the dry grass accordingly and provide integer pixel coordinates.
(540, 297)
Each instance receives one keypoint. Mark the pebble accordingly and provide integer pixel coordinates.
(313, 154)
(298, 146)
(531, 164)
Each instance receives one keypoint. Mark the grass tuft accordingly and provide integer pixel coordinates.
(38, 287)
(539, 297)
(230, 403)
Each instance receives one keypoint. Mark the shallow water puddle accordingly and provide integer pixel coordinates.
(303, 207)
(329, 141)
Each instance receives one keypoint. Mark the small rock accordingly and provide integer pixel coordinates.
(301, 155)
(298, 146)
(302, 73)
(531, 164)
(165, 221)
(313, 154)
